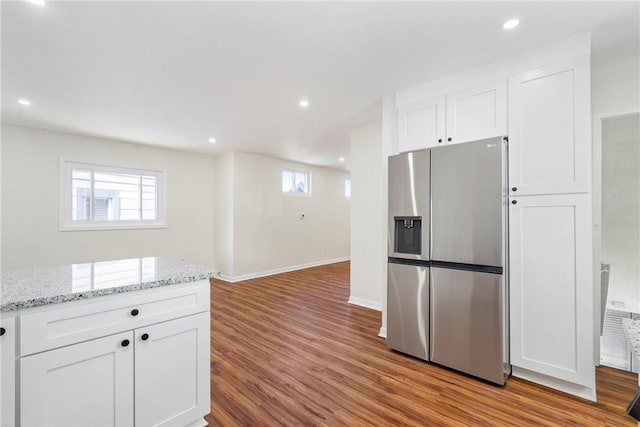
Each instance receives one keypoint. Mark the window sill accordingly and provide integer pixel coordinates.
(291, 193)
(105, 227)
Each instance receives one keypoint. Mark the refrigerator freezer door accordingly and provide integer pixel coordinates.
(466, 322)
(467, 203)
(409, 206)
(408, 309)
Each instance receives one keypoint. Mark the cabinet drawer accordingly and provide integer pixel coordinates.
(55, 326)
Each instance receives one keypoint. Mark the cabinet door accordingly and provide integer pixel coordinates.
(550, 130)
(8, 374)
(172, 372)
(551, 289)
(477, 113)
(421, 125)
(86, 384)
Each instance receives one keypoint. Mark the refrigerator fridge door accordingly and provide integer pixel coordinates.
(408, 309)
(468, 184)
(466, 322)
(408, 226)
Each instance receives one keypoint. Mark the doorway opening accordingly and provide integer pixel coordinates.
(617, 232)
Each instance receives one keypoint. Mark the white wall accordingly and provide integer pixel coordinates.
(615, 86)
(368, 217)
(268, 234)
(615, 90)
(223, 217)
(30, 199)
(621, 208)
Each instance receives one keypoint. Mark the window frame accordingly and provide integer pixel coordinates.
(66, 223)
(294, 193)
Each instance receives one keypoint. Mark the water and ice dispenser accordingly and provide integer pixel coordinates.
(408, 235)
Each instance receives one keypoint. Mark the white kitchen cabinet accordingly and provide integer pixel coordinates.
(458, 116)
(170, 359)
(551, 298)
(89, 383)
(549, 129)
(8, 369)
(476, 113)
(421, 124)
(138, 358)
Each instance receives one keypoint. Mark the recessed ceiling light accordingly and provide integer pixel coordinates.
(24, 102)
(303, 103)
(36, 2)
(212, 140)
(341, 159)
(511, 23)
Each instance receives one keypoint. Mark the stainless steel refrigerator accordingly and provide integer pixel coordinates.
(447, 293)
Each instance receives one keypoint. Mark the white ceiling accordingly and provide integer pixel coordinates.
(176, 73)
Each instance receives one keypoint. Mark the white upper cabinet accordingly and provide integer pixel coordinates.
(422, 124)
(549, 129)
(457, 116)
(477, 113)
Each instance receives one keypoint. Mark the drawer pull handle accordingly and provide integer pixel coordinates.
(514, 189)
(144, 337)
(513, 202)
(134, 312)
(2, 331)
(124, 343)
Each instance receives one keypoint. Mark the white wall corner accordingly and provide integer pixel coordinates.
(374, 305)
(383, 332)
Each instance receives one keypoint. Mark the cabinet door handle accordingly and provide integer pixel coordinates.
(2, 331)
(134, 312)
(514, 189)
(144, 337)
(124, 343)
(513, 202)
(449, 139)
(439, 140)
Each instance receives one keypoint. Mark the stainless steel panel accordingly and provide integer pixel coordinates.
(409, 196)
(466, 322)
(468, 203)
(408, 309)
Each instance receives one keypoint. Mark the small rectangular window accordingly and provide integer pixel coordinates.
(347, 188)
(94, 196)
(295, 182)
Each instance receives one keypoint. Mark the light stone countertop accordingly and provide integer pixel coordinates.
(632, 330)
(50, 285)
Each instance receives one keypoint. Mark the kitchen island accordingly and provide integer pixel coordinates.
(121, 342)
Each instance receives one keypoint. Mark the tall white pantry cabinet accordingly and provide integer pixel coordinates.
(541, 100)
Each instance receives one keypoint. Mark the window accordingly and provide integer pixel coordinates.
(295, 182)
(347, 188)
(94, 196)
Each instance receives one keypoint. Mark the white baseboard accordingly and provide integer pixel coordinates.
(383, 332)
(555, 383)
(374, 305)
(234, 279)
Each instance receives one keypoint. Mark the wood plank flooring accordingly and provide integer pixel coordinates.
(289, 350)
